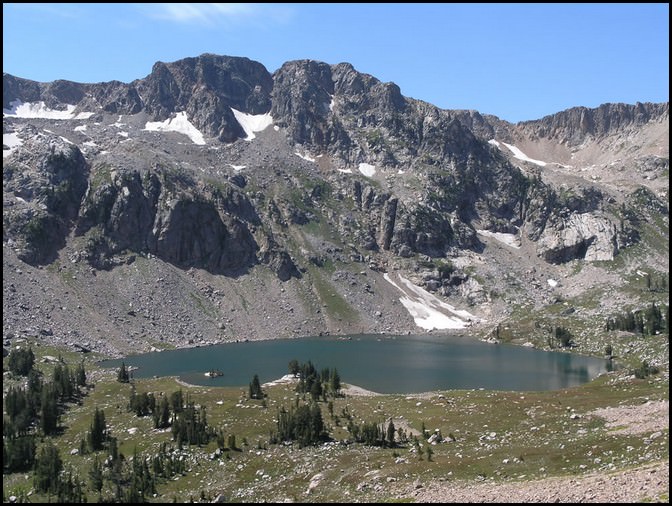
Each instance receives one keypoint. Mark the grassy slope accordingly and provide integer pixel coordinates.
(533, 432)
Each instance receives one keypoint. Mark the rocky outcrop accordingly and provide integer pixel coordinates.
(46, 181)
(207, 87)
(192, 233)
(574, 125)
(15, 88)
(158, 213)
(302, 94)
(457, 181)
(584, 236)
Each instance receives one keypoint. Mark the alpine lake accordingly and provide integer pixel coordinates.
(383, 364)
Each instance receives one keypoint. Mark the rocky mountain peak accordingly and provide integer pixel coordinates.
(574, 125)
(206, 88)
(344, 170)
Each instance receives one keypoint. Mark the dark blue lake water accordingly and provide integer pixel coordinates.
(385, 364)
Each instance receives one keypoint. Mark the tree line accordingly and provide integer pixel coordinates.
(649, 321)
(36, 408)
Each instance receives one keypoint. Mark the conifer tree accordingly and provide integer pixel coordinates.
(47, 468)
(122, 375)
(98, 432)
(255, 388)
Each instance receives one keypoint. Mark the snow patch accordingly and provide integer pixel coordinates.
(80, 128)
(552, 283)
(332, 103)
(83, 115)
(252, 123)
(237, 167)
(427, 310)
(123, 134)
(494, 142)
(179, 124)
(39, 110)
(287, 378)
(509, 239)
(306, 157)
(517, 153)
(12, 141)
(367, 169)
(345, 171)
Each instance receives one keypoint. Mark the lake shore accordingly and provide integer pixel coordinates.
(348, 389)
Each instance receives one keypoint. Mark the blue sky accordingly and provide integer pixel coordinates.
(516, 61)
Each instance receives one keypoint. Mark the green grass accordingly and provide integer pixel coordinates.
(205, 307)
(334, 304)
(534, 437)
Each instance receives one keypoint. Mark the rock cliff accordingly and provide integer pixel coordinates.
(212, 163)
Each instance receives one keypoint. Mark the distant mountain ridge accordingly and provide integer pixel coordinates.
(318, 170)
(215, 83)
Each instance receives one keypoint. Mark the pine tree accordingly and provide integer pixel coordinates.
(21, 361)
(162, 415)
(96, 475)
(18, 453)
(98, 432)
(49, 410)
(390, 433)
(294, 367)
(122, 375)
(255, 388)
(80, 375)
(47, 468)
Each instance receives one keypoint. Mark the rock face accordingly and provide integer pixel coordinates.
(48, 180)
(578, 236)
(574, 125)
(350, 172)
(207, 88)
(158, 213)
(356, 119)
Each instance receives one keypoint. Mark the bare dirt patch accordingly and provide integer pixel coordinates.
(649, 483)
(648, 417)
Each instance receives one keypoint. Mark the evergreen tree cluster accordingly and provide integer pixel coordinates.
(21, 361)
(649, 321)
(191, 427)
(373, 434)
(304, 425)
(319, 385)
(50, 478)
(142, 404)
(188, 422)
(133, 480)
(562, 336)
(36, 408)
(657, 282)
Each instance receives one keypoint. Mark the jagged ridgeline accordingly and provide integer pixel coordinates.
(215, 163)
(329, 110)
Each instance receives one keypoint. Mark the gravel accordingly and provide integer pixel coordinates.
(648, 483)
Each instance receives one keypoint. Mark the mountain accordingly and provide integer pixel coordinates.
(213, 201)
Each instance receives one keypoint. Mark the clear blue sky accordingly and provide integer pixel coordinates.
(516, 61)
